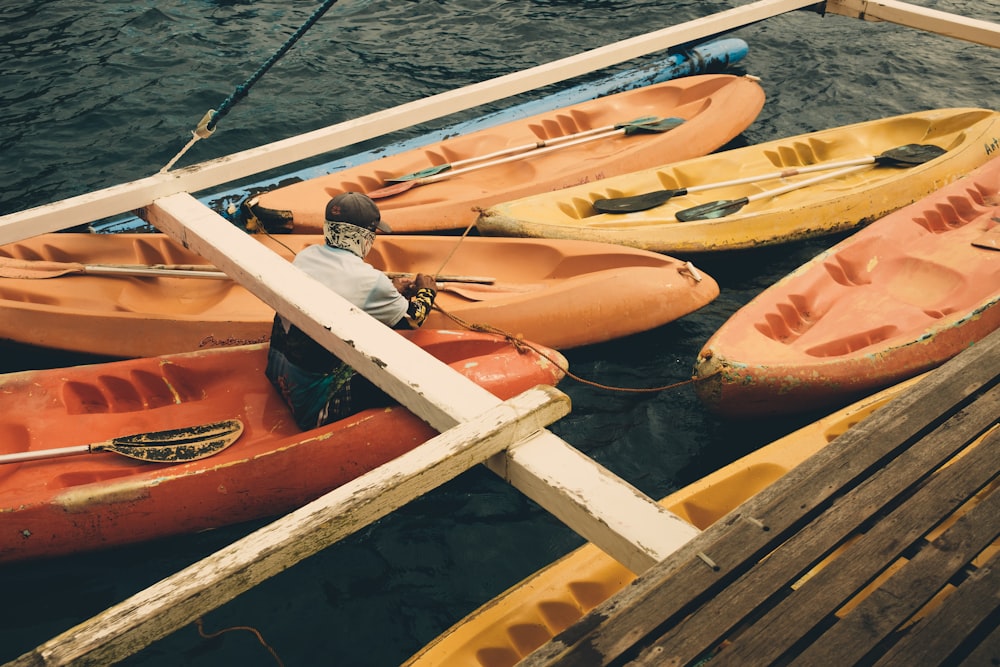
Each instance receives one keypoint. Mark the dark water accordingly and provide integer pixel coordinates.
(98, 93)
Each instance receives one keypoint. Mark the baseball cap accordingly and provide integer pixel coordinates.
(356, 209)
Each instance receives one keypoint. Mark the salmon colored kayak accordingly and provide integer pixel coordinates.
(547, 151)
(561, 294)
(800, 187)
(74, 503)
(896, 299)
(512, 625)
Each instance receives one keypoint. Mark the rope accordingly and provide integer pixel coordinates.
(458, 243)
(521, 345)
(211, 118)
(260, 638)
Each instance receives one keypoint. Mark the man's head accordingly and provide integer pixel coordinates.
(356, 209)
(351, 221)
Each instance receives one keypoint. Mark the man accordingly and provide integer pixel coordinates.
(318, 386)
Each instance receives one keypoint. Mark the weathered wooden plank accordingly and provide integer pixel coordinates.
(605, 509)
(815, 600)
(130, 196)
(921, 18)
(988, 650)
(897, 599)
(770, 580)
(561, 479)
(664, 592)
(178, 600)
(933, 640)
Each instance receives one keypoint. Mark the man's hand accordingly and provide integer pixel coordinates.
(424, 281)
(408, 287)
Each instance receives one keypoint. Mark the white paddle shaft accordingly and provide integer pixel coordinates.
(802, 184)
(17, 457)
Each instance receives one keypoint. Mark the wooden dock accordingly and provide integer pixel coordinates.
(880, 550)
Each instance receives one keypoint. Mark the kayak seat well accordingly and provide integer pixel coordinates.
(799, 312)
(956, 212)
(708, 506)
(163, 250)
(141, 390)
(810, 152)
(562, 124)
(927, 285)
(848, 344)
(196, 298)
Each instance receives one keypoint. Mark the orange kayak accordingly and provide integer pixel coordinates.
(74, 503)
(898, 298)
(562, 294)
(548, 151)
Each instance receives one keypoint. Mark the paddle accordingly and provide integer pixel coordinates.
(724, 207)
(659, 126)
(901, 156)
(481, 280)
(35, 269)
(487, 292)
(431, 171)
(39, 270)
(173, 446)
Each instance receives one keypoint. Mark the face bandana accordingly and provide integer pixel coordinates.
(349, 237)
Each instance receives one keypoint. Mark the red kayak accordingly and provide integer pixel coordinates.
(91, 500)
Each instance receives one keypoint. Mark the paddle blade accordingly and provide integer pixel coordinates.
(642, 202)
(423, 173)
(712, 210)
(176, 445)
(394, 189)
(910, 154)
(659, 126)
(36, 269)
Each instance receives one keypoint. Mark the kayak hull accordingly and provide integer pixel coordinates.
(562, 294)
(841, 204)
(715, 109)
(893, 300)
(52, 507)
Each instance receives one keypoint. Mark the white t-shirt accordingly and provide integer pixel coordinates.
(349, 276)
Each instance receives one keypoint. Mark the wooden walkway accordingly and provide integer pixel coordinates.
(880, 550)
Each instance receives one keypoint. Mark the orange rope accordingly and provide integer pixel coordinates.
(201, 631)
(520, 344)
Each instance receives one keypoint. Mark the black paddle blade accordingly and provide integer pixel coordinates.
(642, 202)
(910, 154)
(712, 210)
(423, 173)
(660, 126)
(176, 445)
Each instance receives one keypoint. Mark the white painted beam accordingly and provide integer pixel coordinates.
(921, 18)
(599, 506)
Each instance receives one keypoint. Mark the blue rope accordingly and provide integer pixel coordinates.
(243, 89)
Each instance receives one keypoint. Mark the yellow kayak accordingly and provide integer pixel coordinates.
(509, 627)
(800, 187)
